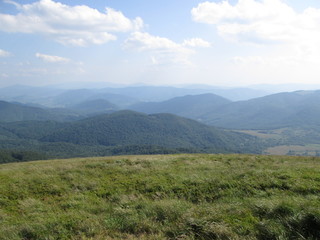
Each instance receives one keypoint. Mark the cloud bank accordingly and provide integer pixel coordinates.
(74, 25)
(268, 23)
(260, 21)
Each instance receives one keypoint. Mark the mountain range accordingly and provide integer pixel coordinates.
(280, 110)
(300, 108)
(121, 96)
(288, 109)
(92, 123)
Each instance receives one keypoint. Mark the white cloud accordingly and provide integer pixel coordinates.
(249, 10)
(162, 50)
(266, 22)
(75, 25)
(196, 42)
(260, 21)
(52, 59)
(4, 53)
(145, 41)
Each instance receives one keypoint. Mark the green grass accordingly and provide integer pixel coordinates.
(297, 150)
(194, 196)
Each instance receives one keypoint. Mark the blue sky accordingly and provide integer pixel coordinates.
(170, 42)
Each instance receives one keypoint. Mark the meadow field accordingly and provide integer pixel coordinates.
(183, 196)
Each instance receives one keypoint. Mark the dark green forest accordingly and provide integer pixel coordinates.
(123, 132)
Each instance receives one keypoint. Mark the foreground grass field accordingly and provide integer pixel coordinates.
(162, 197)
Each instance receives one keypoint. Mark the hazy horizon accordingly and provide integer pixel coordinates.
(267, 88)
(235, 43)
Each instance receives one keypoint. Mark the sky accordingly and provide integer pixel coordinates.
(168, 42)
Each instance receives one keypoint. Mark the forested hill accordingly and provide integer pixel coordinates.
(166, 130)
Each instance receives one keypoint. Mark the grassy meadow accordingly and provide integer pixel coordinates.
(191, 196)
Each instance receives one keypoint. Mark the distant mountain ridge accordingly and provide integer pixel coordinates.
(70, 98)
(294, 109)
(95, 106)
(280, 110)
(13, 112)
(120, 96)
(190, 106)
